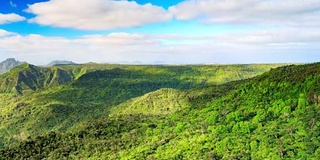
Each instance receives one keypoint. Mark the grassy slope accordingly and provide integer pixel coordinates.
(57, 108)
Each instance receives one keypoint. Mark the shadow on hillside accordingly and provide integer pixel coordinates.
(93, 94)
(112, 87)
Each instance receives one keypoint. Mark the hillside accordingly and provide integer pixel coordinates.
(8, 64)
(130, 112)
(272, 116)
(94, 89)
(27, 77)
(163, 101)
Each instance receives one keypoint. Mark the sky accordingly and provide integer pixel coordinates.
(161, 31)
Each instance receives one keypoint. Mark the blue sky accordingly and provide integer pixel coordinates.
(173, 32)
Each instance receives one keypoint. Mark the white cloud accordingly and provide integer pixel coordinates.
(273, 37)
(266, 12)
(119, 39)
(9, 18)
(96, 14)
(13, 4)
(261, 46)
(4, 33)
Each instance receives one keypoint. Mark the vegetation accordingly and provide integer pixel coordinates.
(167, 112)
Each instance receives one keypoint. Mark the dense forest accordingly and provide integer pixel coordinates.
(160, 112)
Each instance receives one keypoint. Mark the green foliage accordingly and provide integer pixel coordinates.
(161, 112)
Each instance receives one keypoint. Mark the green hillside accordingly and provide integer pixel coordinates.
(160, 102)
(168, 112)
(26, 78)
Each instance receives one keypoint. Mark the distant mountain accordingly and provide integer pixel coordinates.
(8, 64)
(60, 62)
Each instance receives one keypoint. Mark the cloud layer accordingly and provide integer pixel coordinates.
(268, 46)
(96, 14)
(9, 18)
(111, 14)
(266, 12)
(273, 31)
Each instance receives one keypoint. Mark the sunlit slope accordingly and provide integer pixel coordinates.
(163, 101)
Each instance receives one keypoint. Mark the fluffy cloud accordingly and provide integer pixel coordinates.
(4, 33)
(259, 47)
(118, 39)
(274, 12)
(96, 14)
(12, 17)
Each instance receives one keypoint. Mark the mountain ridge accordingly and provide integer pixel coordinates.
(27, 77)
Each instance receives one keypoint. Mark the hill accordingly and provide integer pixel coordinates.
(27, 77)
(8, 64)
(129, 112)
